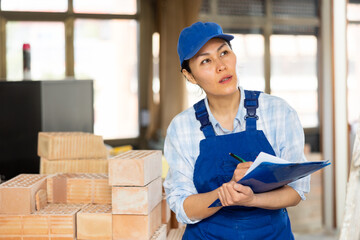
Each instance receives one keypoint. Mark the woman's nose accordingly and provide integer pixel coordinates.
(220, 66)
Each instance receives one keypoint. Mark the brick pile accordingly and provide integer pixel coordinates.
(25, 213)
(135, 177)
(71, 152)
(126, 204)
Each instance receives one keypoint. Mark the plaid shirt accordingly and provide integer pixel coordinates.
(278, 121)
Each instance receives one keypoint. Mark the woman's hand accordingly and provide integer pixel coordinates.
(232, 193)
(240, 171)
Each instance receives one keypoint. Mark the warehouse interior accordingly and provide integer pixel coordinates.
(111, 69)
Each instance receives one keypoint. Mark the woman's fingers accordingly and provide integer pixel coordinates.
(245, 165)
(240, 170)
(232, 193)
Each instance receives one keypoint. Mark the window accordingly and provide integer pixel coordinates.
(47, 48)
(294, 75)
(249, 50)
(89, 39)
(106, 51)
(105, 6)
(34, 5)
(353, 83)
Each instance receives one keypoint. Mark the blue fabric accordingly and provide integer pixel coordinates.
(277, 119)
(203, 116)
(255, 226)
(214, 167)
(194, 37)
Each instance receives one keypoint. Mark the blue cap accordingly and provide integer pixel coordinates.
(193, 38)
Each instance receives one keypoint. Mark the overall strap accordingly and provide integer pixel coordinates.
(251, 103)
(203, 116)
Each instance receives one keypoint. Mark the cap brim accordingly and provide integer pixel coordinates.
(201, 44)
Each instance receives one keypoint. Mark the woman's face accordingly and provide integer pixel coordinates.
(213, 68)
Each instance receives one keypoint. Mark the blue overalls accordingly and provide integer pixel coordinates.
(214, 167)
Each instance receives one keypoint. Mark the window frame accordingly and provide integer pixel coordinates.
(68, 18)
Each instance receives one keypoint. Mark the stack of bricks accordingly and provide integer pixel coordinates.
(58, 206)
(84, 206)
(135, 177)
(94, 221)
(21, 218)
(71, 152)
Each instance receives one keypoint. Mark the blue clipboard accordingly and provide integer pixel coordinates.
(268, 176)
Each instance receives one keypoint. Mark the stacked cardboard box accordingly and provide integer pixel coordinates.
(135, 177)
(71, 152)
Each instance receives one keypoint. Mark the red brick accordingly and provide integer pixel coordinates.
(62, 238)
(40, 199)
(174, 222)
(10, 225)
(165, 211)
(61, 219)
(35, 225)
(160, 234)
(136, 200)
(139, 227)
(17, 196)
(70, 145)
(135, 168)
(73, 166)
(79, 188)
(56, 188)
(176, 233)
(94, 222)
(35, 238)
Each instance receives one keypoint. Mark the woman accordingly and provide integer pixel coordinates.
(228, 120)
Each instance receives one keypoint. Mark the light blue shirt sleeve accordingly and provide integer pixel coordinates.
(179, 180)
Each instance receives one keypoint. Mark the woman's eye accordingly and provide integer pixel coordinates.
(224, 53)
(205, 61)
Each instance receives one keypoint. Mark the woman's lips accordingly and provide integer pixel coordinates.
(225, 79)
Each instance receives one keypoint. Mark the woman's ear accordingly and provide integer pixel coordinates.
(189, 76)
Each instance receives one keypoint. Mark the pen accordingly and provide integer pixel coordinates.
(237, 157)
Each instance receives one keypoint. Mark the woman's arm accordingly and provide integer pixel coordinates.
(196, 206)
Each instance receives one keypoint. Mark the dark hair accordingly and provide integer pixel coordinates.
(185, 65)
